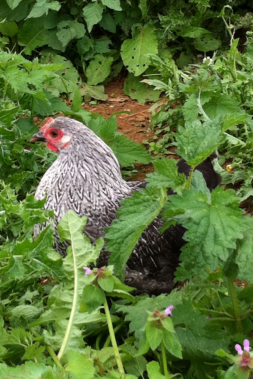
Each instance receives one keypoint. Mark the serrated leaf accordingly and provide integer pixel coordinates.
(93, 14)
(77, 100)
(93, 297)
(166, 175)
(134, 51)
(107, 283)
(79, 365)
(42, 7)
(139, 91)
(113, 4)
(98, 69)
(128, 151)
(154, 371)
(190, 109)
(193, 32)
(197, 141)
(30, 370)
(172, 344)
(213, 226)
(221, 104)
(134, 215)
(95, 92)
(154, 335)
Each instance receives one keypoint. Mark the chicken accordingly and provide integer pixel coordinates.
(86, 178)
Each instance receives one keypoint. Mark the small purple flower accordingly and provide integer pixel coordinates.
(168, 311)
(87, 270)
(246, 347)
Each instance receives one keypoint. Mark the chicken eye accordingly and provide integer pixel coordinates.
(54, 134)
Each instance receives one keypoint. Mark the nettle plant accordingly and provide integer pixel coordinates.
(61, 318)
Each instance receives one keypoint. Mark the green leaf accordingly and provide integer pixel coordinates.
(213, 226)
(95, 92)
(134, 51)
(190, 109)
(221, 104)
(108, 23)
(92, 14)
(77, 100)
(154, 335)
(172, 344)
(107, 283)
(197, 141)
(113, 4)
(8, 28)
(98, 69)
(93, 297)
(207, 43)
(166, 175)
(139, 91)
(69, 30)
(154, 371)
(193, 32)
(32, 35)
(13, 3)
(42, 7)
(128, 151)
(30, 370)
(168, 324)
(244, 252)
(79, 365)
(134, 215)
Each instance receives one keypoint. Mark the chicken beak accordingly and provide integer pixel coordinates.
(38, 137)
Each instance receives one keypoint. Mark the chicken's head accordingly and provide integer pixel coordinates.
(54, 135)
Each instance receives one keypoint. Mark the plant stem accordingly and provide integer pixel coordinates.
(165, 366)
(233, 295)
(107, 342)
(54, 356)
(113, 339)
(188, 184)
(72, 314)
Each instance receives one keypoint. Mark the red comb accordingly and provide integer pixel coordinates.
(47, 124)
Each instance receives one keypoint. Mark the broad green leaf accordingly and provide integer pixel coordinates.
(79, 365)
(98, 69)
(113, 4)
(13, 3)
(139, 91)
(207, 42)
(154, 335)
(128, 151)
(197, 141)
(107, 283)
(8, 28)
(32, 35)
(69, 30)
(42, 7)
(95, 92)
(108, 23)
(93, 14)
(134, 215)
(221, 104)
(193, 32)
(244, 252)
(134, 51)
(168, 324)
(93, 297)
(166, 175)
(213, 226)
(190, 109)
(154, 371)
(172, 344)
(30, 370)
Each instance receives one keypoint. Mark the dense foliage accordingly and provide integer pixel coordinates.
(59, 318)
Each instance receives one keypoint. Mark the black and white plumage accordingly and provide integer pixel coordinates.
(86, 178)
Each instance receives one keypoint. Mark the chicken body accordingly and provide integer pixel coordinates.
(86, 178)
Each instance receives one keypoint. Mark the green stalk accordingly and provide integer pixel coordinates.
(165, 366)
(113, 339)
(54, 356)
(107, 342)
(188, 184)
(72, 314)
(233, 295)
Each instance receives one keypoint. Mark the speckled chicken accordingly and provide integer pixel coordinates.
(86, 178)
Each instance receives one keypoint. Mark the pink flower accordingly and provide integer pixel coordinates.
(246, 347)
(168, 311)
(87, 270)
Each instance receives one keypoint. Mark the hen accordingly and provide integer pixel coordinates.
(86, 178)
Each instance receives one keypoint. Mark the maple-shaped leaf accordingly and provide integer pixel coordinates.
(214, 223)
(197, 141)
